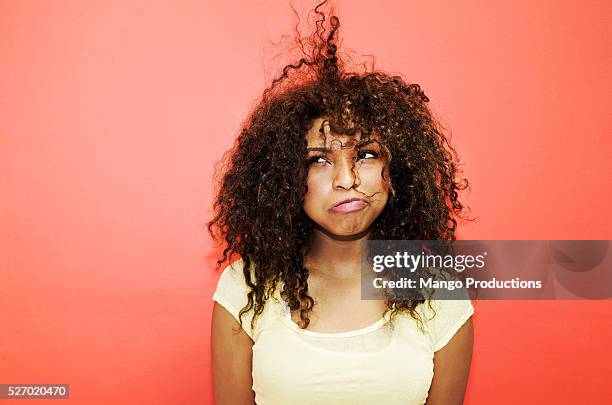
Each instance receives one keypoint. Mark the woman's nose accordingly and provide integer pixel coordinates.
(345, 174)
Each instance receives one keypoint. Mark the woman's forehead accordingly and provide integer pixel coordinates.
(321, 135)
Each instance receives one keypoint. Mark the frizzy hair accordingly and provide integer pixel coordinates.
(258, 208)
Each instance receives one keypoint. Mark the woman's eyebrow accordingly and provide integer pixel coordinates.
(318, 149)
(366, 142)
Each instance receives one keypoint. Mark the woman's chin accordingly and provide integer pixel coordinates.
(345, 233)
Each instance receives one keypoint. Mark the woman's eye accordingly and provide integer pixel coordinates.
(317, 160)
(367, 154)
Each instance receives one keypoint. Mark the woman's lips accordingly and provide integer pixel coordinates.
(349, 206)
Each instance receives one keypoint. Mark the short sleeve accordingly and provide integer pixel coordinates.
(448, 317)
(231, 294)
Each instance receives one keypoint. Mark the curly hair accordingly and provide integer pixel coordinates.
(258, 209)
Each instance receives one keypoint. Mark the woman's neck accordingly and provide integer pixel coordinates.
(335, 256)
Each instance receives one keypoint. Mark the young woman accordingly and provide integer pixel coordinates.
(328, 159)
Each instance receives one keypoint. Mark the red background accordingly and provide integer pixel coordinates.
(113, 114)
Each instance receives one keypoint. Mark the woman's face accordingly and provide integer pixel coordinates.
(346, 190)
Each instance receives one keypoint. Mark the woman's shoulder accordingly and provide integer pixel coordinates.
(232, 293)
(442, 318)
(232, 276)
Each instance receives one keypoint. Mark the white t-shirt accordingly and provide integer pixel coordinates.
(384, 363)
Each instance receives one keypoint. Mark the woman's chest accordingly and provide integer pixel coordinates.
(380, 365)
